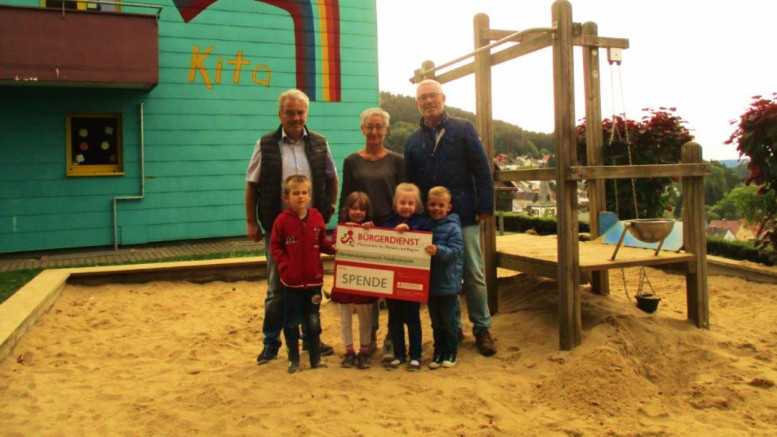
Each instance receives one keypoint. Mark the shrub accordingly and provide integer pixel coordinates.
(756, 137)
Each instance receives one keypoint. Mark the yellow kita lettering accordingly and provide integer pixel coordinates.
(198, 65)
(266, 80)
(219, 66)
(238, 62)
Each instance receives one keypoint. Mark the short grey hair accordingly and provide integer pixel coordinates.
(293, 94)
(430, 82)
(375, 111)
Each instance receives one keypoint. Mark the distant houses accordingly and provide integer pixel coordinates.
(731, 230)
(538, 198)
(534, 198)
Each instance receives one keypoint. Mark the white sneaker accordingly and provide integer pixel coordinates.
(449, 361)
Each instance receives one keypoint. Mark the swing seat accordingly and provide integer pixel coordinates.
(611, 228)
(650, 230)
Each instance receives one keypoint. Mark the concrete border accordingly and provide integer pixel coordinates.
(26, 306)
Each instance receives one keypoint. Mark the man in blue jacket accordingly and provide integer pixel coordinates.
(447, 151)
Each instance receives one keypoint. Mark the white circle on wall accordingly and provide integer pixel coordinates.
(105, 145)
(109, 130)
(80, 158)
(83, 132)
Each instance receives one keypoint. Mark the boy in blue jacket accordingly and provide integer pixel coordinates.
(447, 251)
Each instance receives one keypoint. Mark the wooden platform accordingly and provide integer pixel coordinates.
(538, 255)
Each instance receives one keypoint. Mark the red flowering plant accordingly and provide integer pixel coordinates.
(756, 138)
(657, 139)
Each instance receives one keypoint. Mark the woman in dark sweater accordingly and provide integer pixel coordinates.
(376, 171)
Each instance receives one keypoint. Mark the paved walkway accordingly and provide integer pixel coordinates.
(124, 255)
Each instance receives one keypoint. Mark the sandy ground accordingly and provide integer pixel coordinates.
(174, 358)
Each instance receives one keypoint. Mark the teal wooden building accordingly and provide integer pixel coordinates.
(125, 123)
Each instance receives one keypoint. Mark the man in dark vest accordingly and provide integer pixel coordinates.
(291, 149)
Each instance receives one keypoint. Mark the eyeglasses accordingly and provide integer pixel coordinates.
(376, 127)
(430, 96)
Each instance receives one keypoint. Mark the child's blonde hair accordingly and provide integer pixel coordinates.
(440, 191)
(408, 188)
(295, 179)
(360, 199)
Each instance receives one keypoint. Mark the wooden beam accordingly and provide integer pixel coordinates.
(531, 45)
(530, 266)
(579, 173)
(570, 325)
(600, 41)
(497, 34)
(600, 281)
(529, 174)
(694, 239)
(484, 119)
(589, 40)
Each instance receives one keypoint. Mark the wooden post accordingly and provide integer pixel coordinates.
(485, 128)
(694, 239)
(566, 191)
(600, 281)
(425, 66)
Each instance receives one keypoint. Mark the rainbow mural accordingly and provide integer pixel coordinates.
(310, 18)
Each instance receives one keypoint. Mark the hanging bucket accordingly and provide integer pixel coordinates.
(648, 302)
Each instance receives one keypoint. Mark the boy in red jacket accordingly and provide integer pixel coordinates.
(297, 240)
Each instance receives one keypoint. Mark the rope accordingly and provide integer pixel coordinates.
(628, 141)
(612, 139)
(643, 278)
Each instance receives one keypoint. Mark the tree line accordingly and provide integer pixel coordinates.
(508, 138)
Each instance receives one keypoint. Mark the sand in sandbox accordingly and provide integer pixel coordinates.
(175, 358)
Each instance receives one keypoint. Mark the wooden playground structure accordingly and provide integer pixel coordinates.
(571, 257)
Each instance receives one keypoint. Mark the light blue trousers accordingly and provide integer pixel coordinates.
(475, 292)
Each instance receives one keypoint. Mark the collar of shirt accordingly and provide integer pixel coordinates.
(285, 138)
(440, 125)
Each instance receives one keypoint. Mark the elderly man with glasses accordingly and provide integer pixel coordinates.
(447, 151)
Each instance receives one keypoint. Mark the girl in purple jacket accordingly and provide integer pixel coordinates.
(356, 211)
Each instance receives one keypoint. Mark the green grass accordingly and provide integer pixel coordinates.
(14, 280)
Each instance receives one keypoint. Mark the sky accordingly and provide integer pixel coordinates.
(706, 59)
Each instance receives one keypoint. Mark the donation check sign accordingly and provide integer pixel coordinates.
(382, 263)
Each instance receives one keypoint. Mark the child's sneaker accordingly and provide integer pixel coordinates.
(363, 361)
(436, 360)
(449, 361)
(388, 351)
(349, 360)
(394, 364)
(414, 366)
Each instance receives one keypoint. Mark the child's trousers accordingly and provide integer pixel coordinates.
(444, 312)
(364, 314)
(403, 313)
(303, 304)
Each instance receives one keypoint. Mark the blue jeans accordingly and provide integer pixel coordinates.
(401, 313)
(273, 302)
(301, 306)
(474, 288)
(444, 312)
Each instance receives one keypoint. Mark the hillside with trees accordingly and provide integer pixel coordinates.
(508, 138)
